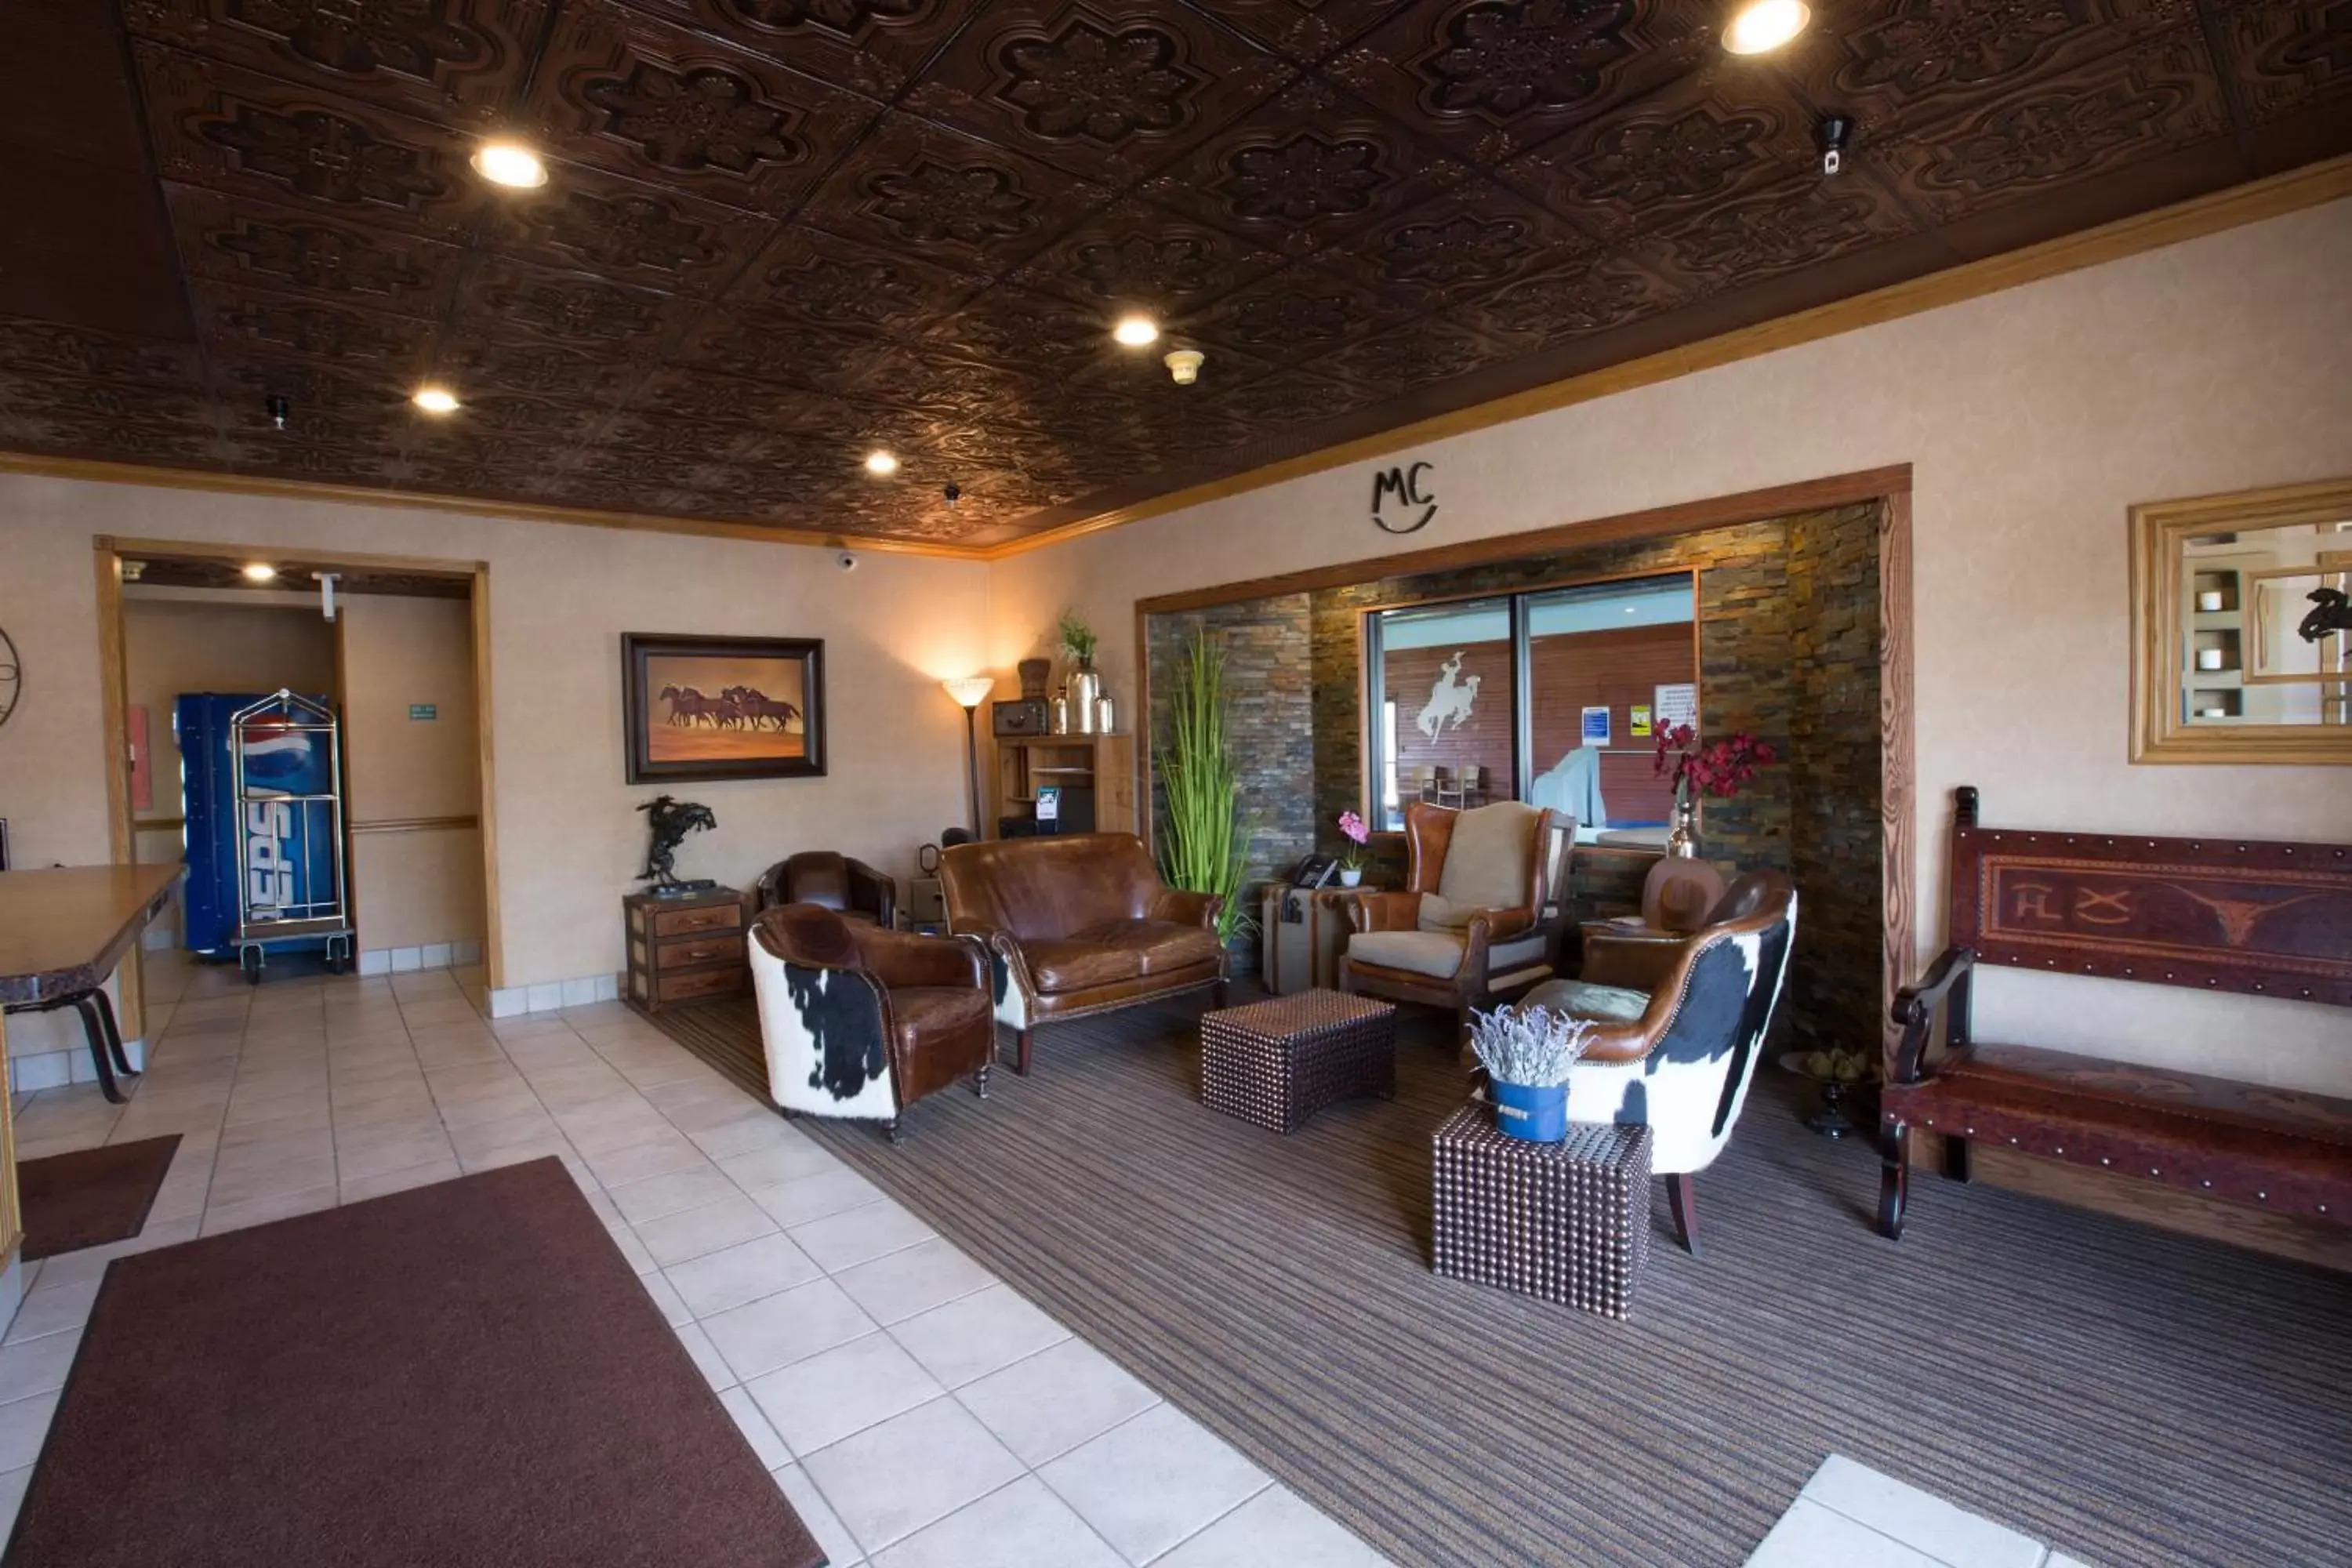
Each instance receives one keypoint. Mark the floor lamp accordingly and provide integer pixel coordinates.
(968, 690)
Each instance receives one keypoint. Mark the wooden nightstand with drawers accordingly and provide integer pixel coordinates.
(685, 949)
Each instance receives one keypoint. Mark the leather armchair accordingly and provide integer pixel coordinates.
(1481, 914)
(1079, 924)
(861, 1022)
(1678, 1054)
(833, 881)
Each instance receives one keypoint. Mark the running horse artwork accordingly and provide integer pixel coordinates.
(722, 707)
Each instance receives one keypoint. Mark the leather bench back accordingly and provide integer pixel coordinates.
(1046, 887)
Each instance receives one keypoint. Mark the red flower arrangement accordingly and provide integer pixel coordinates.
(1722, 770)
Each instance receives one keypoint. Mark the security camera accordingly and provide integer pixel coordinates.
(846, 560)
(278, 407)
(1831, 135)
(954, 492)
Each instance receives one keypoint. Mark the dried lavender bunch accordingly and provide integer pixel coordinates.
(1529, 1045)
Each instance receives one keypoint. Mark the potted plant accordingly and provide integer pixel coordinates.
(1206, 846)
(1527, 1052)
(1085, 685)
(1352, 864)
(1722, 770)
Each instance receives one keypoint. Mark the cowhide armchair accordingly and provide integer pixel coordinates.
(1679, 1028)
(834, 881)
(861, 1022)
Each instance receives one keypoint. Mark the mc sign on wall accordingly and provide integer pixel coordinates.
(1404, 498)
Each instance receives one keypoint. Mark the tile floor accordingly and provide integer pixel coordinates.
(1853, 1517)
(917, 1412)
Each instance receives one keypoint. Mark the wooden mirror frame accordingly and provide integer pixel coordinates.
(2160, 734)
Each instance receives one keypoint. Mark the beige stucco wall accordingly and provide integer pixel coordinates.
(2032, 419)
(569, 839)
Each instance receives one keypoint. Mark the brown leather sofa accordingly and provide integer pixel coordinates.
(861, 1022)
(1079, 924)
(832, 881)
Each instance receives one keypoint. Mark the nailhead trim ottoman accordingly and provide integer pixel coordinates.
(1278, 1063)
(1568, 1221)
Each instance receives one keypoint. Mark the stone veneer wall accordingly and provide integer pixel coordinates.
(1789, 650)
(1270, 708)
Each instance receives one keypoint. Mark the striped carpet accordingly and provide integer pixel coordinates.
(2131, 1396)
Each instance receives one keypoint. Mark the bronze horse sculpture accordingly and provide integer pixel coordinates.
(2334, 614)
(671, 820)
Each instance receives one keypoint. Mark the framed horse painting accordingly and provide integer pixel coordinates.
(722, 707)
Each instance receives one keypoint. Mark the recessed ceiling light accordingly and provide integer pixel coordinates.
(435, 400)
(881, 463)
(509, 164)
(1764, 25)
(1137, 332)
(261, 572)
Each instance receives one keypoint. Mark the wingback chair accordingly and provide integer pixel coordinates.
(859, 1021)
(833, 881)
(1078, 924)
(1679, 1028)
(1483, 904)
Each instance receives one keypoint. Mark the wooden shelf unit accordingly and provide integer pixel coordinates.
(1102, 765)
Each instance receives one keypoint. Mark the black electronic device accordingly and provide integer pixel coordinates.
(1020, 716)
(1314, 871)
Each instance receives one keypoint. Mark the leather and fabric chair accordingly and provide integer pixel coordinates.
(1481, 914)
(832, 881)
(861, 1022)
(1079, 924)
(1679, 1028)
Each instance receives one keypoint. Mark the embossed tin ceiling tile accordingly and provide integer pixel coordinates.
(250, 136)
(131, 439)
(304, 250)
(2285, 56)
(1492, 78)
(505, 300)
(1690, 144)
(1307, 310)
(678, 391)
(44, 348)
(775, 349)
(645, 97)
(1134, 256)
(911, 187)
(545, 370)
(589, 220)
(99, 403)
(1588, 296)
(1416, 354)
(828, 281)
(1465, 242)
(336, 465)
(247, 321)
(1802, 222)
(869, 46)
(1107, 90)
(1302, 172)
(1905, 65)
(1039, 335)
(1302, 30)
(459, 60)
(240, 381)
(2155, 98)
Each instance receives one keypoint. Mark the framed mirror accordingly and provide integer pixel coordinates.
(2242, 623)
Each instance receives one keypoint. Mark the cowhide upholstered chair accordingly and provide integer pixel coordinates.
(861, 1022)
(1481, 914)
(1678, 1029)
(833, 881)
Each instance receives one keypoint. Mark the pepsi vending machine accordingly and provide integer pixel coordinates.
(261, 785)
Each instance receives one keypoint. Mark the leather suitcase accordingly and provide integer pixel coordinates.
(1304, 931)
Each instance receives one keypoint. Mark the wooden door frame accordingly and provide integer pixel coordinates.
(111, 551)
(1889, 488)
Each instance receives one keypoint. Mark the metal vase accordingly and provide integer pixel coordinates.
(1085, 686)
(1683, 840)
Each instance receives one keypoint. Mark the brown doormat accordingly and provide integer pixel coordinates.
(464, 1373)
(91, 1196)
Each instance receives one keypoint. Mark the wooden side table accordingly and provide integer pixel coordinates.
(1568, 1221)
(685, 949)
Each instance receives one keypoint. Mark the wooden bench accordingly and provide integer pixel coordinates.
(2208, 914)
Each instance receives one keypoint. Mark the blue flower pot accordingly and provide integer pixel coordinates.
(1536, 1112)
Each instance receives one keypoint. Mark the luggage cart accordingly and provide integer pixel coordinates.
(286, 770)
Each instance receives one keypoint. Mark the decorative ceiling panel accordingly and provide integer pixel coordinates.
(778, 234)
